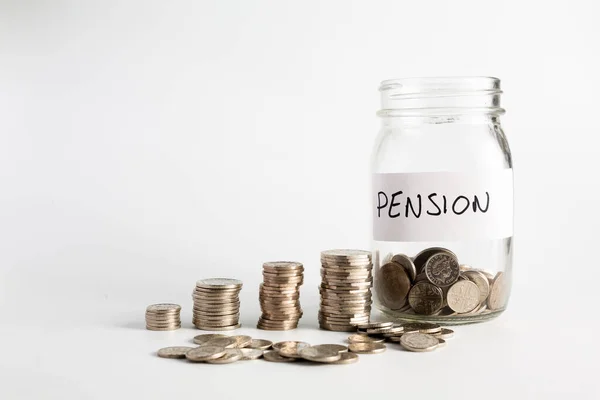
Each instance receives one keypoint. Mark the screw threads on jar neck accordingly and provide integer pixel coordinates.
(440, 96)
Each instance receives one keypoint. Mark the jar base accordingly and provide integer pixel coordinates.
(458, 319)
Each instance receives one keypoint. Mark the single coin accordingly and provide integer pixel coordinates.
(227, 342)
(463, 296)
(422, 327)
(392, 284)
(364, 339)
(154, 328)
(337, 327)
(425, 298)
(292, 350)
(442, 342)
(367, 348)
(442, 269)
(174, 352)
(251, 354)
(347, 358)
(241, 341)
(163, 307)
(274, 356)
(346, 253)
(219, 283)
(230, 356)
(204, 353)
(416, 341)
(479, 278)
(407, 263)
(203, 339)
(282, 265)
(379, 324)
(421, 258)
(498, 293)
(335, 347)
(260, 344)
(217, 328)
(319, 354)
(395, 338)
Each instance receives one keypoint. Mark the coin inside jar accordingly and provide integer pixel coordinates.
(393, 285)
(425, 298)
(463, 296)
(442, 269)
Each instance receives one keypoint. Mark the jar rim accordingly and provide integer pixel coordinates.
(414, 85)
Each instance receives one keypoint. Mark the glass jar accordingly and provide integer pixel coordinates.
(442, 189)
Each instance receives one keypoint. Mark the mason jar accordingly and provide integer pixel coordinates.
(442, 190)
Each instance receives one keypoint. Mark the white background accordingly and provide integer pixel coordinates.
(148, 144)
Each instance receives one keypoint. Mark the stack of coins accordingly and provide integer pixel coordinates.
(217, 304)
(345, 289)
(163, 317)
(279, 295)
(434, 283)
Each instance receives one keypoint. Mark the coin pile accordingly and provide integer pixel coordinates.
(279, 295)
(217, 304)
(434, 283)
(345, 289)
(163, 317)
(418, 337)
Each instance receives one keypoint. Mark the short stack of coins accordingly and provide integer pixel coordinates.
(217, 304)
(163, 317)
(279, 295)
(434, 283)
(346, 280)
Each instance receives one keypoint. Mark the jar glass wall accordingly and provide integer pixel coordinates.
(442, 173)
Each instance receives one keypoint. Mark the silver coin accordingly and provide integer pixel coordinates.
(319, 354)
(482, 283)
(163, 307)
(498, 293)
(442, 342)
(227, 342)
(274, 356)
(204, 353)
(421, 258)
(154, 328)
(335, 347)
(230, 356)
(422, 327)
(425, 298)
(392, 284)
(241, 341)
(347, 358)
(463, 296)
(442, 269)
(379, 324)
(406, 263)
(219, 283)
(444, 333)
(346, 253)
(218, 328)
(203, 339)
(367, 348)
(260, 344)
(292, 349)
(364, 339)
(251, 354)
(337, 327)
(282, 265)
(416, 341)
(173, 352)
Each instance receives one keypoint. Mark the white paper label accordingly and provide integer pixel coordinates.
(443, 206)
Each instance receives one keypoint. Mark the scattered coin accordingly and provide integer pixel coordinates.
(251, 354)
(347, 358)
(419, 342)
(260, 344)
(226, 342)
(292, 349)
(274, 356)
(367, 348)
(204, 353)
(463, 296)
(364, 339)
(444, 333)
(242, 341)
(203, 339)
(422, 327)
(319, 354)
(442, 342)
(174, 352)
(230, 356)
(373, 325)
(335, 347)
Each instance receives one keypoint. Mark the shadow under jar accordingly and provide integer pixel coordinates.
(442, 190)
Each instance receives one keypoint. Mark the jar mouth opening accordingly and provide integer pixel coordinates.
(430, 85)
(440, 95)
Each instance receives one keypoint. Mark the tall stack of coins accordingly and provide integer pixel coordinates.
(434, 283)
(163, 317)
(279, 295)
(217, 304)
(345, 289)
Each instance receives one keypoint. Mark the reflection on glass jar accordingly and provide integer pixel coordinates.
(442, 201)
